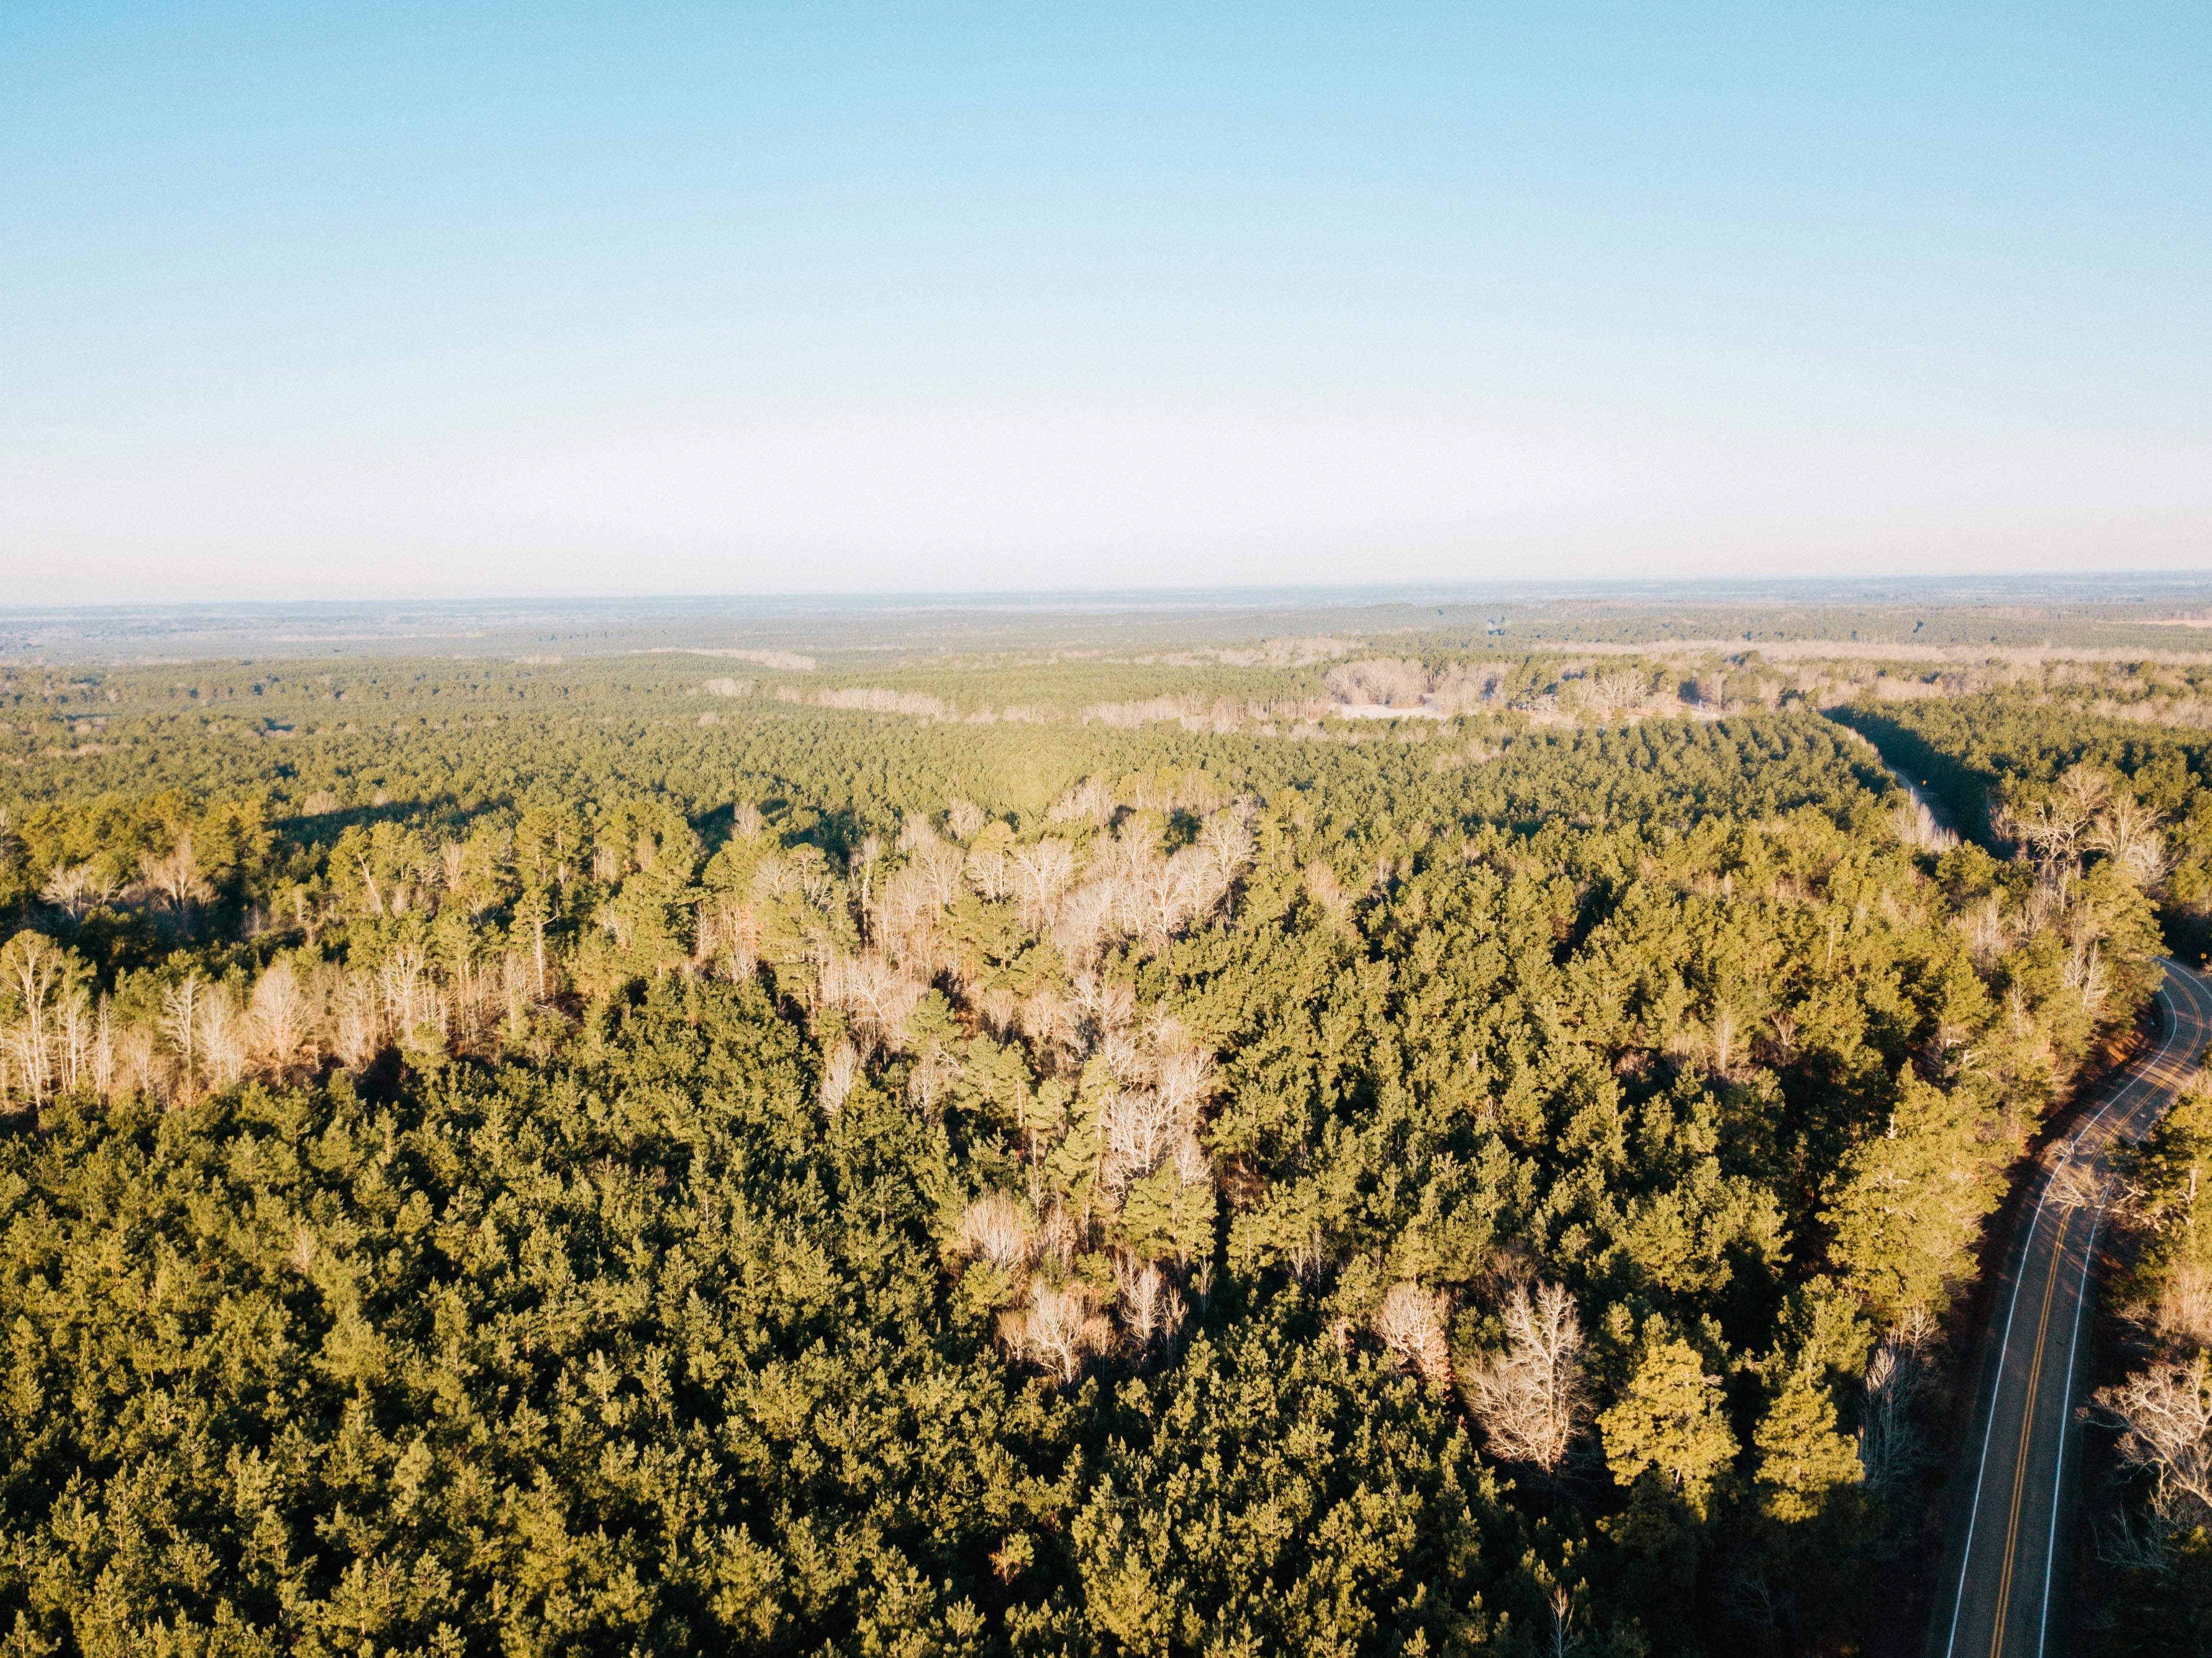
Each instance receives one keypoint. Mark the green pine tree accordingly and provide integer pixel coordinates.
(1801, 1457)
(1671, 1422)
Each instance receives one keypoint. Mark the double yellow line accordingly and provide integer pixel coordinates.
(2188, 1002)
(2027, 1424)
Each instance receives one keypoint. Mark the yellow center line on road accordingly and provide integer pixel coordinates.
(2186, 1001)
(2027, 1428)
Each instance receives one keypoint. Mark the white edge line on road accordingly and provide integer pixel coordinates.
(2080, 1301)
(2065, 1421)
(1996, 1384)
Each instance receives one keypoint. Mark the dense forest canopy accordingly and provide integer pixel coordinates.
(1301, 1148)
(2021, 771)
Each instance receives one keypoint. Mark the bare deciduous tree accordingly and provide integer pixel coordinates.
(223, 1038)
(281, 1019)
(1892, 1449)
(874, 992)
(77, 889)
(2127, 832)
(934, 1070)
(1532, 1399)
(1559, 1638)
(997, 1228)
(1410, 1322)
(1616, 690)
(1091, 799)
(2184, 1304)
(1186, 1080)
(1916, 826)
(1140, 1129)
(1988, 934)
(1466, 685)
(2165, 1418)
(839, 1074)
(1059, 1330)
(1043, 871)
(411, 1001)
(1045, 1018)
(990, 873)
(180, 1022)
(55, 1042)
(1390, 681)
(1323, 888)
(357, 1024)
(176, 878)
(965, 819)
(728, 936)
(1151, 1307)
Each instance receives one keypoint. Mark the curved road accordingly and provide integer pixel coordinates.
(2010, 1563)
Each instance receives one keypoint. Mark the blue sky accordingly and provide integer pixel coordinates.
(444, 300)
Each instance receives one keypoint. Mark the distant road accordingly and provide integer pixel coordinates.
(2011, 1549)
(1936, 808)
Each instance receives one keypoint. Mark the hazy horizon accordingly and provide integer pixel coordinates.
(2102, 611)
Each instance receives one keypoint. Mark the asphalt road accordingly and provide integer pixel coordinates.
(2010, 1560)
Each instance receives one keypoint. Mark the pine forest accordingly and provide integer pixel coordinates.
(1331, 1139)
